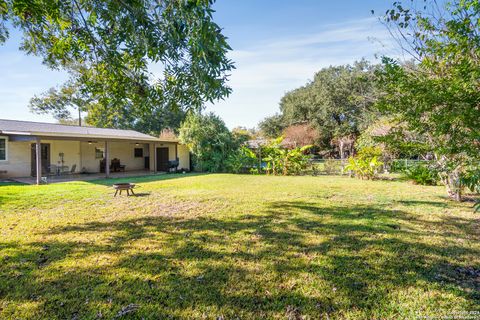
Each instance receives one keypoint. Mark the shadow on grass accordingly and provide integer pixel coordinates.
(440, 204)
(291, 258)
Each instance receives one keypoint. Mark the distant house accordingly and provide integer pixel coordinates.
(40, 149)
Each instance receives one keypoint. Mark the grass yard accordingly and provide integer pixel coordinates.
(237, 247)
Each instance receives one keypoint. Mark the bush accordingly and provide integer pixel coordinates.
(365, 165)
(471, 179)
(280, 160)
(242, 161)
(209, 140)
(421, 174)
(333, 166)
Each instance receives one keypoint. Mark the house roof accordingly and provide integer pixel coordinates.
(41, 129)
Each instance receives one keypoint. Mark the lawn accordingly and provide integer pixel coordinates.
(237, 247)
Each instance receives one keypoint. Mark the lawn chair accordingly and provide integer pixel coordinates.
(72, 170)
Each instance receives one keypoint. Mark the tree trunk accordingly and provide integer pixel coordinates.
(452, 183)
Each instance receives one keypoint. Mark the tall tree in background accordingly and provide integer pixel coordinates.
(273, 126)
(59, 102)
(111, 46)
(439, 96)
(337, 104)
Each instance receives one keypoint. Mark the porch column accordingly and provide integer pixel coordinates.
(151, 152)
(155, 158)
(38, 158)
(107, 160)
(155, 169)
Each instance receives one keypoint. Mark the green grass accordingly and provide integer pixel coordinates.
(237, 247)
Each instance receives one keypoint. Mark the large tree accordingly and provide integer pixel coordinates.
(337, 103)
(112, 46)
(438, 97)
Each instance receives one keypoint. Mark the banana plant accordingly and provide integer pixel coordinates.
(280, 160)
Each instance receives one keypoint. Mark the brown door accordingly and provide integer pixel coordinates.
(45, 152)
(162, 159)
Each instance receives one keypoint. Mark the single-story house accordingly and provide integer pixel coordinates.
(39, 149)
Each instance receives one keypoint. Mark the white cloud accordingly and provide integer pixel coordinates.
(265, 71)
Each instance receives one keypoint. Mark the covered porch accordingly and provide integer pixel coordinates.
(44, 159)
(54, 152)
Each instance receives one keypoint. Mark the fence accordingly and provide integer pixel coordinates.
(399, 165)
(335, 166)
(325, 167)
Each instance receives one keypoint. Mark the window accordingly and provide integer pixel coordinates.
(3, 149)
(99, 153)
(138, 152)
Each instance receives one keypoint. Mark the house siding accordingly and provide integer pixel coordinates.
(184, 157)
(18, 160)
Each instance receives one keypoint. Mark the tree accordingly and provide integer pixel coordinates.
(337, 104)
(111, 46)
(273, 126)
(438, 97)
(394, 139)
(300, 135)
(209, 140)
(59, 102)
(242, 134)
(70, 96)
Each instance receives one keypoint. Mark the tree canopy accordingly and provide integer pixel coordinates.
(337, 104)
(111, 47)
(438, 97)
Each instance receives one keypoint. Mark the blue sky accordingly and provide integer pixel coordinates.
(278, 45)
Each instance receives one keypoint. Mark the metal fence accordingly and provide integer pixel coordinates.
(336, 166)
(399, 165)
(326, 167)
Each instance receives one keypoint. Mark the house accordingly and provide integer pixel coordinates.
(40, 149)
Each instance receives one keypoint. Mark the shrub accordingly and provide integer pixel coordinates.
(422, 174)
(333, 166)
(284, 161)
(365, 165)
(209, 140)
(242, 161)
(471, 178)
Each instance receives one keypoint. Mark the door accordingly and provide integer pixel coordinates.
(162, 159)
(45, 154)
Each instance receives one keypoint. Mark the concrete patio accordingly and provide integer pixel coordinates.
(86, 176)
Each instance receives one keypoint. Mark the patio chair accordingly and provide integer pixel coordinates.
(53, 170)
(116, 166)
(63, 170)
(72, 170)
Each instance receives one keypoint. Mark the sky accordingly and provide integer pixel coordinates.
(278, 45)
